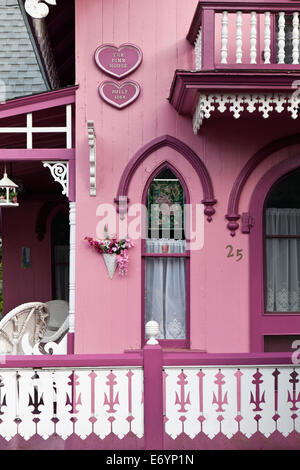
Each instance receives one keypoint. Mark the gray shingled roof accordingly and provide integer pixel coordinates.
(19, 66)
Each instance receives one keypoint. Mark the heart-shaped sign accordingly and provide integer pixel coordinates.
(118, 61)
(119, 94)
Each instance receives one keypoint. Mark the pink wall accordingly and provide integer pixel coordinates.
(34, 283)
(231, 44)
(108, 312)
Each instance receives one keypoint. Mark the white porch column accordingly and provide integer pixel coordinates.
(72, 222)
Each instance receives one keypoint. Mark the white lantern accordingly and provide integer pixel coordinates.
(8, 193)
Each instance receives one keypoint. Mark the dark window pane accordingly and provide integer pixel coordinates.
(165, 205)
(280, 343)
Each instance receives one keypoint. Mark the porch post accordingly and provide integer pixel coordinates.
(153, 397)
(72, 222)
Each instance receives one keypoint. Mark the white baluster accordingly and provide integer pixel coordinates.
(267, 51)
(253, 38)
(224, 37)
(239, 37)
(281, 38)
(295, 37)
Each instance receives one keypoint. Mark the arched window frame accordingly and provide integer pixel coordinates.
(166, 343)
(265, 323)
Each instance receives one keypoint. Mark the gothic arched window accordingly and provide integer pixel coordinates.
(166, 260)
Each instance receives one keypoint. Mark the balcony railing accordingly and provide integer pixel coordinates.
(247, 35)
(150, 399)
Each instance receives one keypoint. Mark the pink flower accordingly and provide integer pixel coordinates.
(113, 245)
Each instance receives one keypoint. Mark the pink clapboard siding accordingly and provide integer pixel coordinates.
(21, 285)
(108, 312)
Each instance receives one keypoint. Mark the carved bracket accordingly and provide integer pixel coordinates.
(247, 222)
(60, 173)
(237, 104)
(37, 8)
(93, 155)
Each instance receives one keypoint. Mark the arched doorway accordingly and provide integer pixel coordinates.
(275, 259)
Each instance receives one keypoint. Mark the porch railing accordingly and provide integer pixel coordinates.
(150, 399)
(248, 35)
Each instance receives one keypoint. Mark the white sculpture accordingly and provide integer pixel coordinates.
(37, 8)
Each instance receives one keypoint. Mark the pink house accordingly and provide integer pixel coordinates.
(172, 125)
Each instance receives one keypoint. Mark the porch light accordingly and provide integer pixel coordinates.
(8, 192)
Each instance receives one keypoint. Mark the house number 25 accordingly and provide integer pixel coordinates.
(231, 253)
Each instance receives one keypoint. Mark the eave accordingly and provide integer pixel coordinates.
(38, 101)
(186, 85)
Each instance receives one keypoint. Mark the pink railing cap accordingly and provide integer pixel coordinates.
(237, 5)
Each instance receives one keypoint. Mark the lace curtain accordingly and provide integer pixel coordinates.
(283, 261)
(165, 288)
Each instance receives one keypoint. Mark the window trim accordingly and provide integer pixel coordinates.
(165, 343)
(265, 323)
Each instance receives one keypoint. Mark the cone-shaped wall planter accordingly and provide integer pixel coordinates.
(111, 263)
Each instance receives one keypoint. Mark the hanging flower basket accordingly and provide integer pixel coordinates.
(114, 252)
(110, 261)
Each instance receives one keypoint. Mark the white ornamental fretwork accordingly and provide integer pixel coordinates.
(38, 8)
(92, 146)
(60, 173)
(263, 103)
(198, 50)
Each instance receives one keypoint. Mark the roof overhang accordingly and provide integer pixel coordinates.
(43, 120)
(187, 85)
(38, 101)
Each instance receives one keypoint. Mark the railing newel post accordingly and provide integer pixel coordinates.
(153, 396)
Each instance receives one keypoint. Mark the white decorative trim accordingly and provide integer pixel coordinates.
(37, 8)
(239, 103)
(72, 284)
(214, 402)
(60, 173)
(93, 154)
(198, 50)
(29, 129)
(72, 403)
